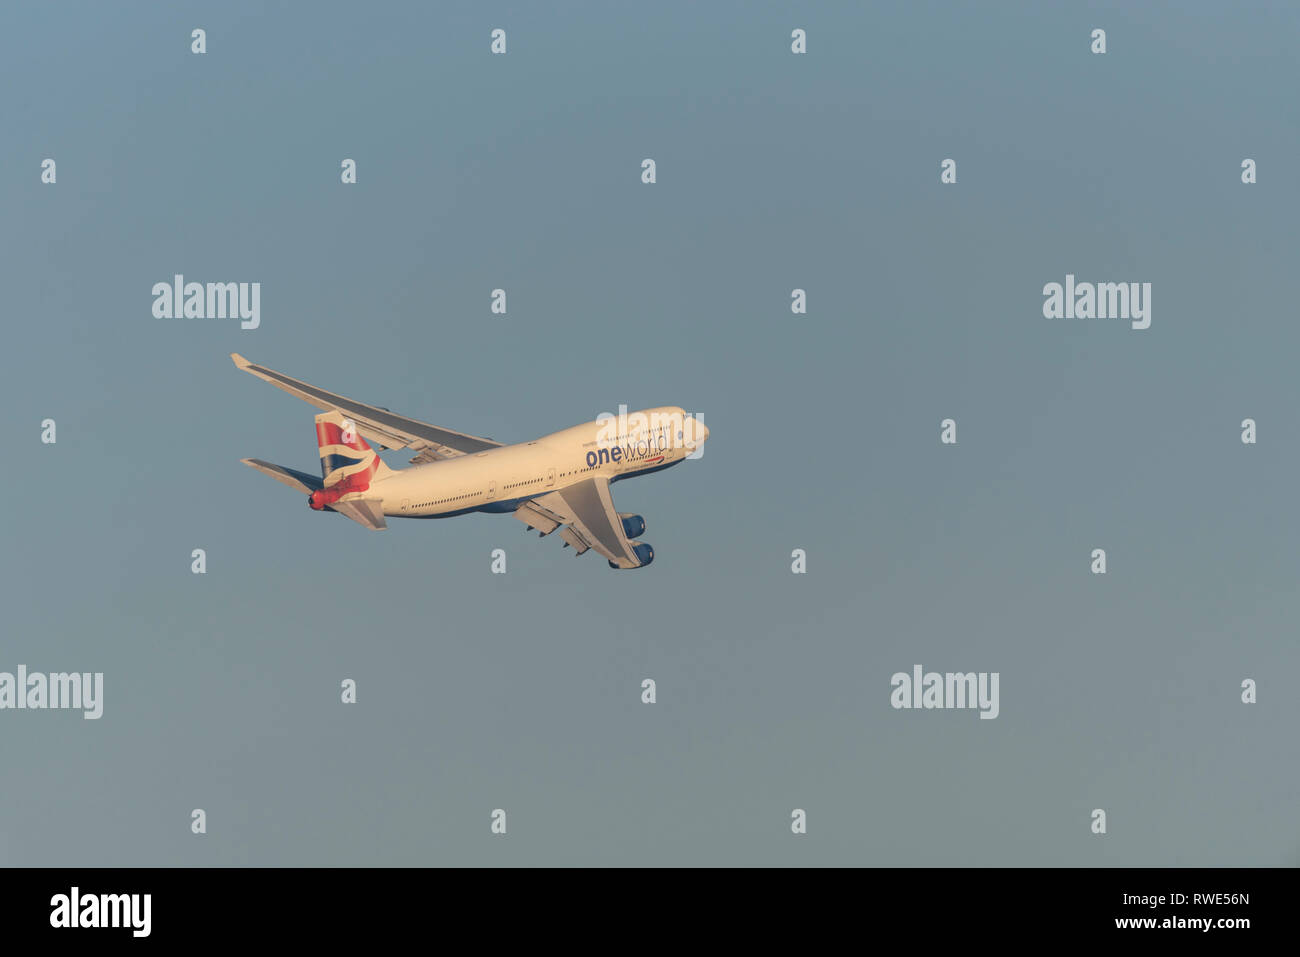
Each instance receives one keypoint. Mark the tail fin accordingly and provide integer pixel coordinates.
(347, 463)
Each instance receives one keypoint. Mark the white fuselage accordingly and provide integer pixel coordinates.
(615, 448)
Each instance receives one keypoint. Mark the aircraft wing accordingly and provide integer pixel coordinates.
(380, 426)
(586, 511)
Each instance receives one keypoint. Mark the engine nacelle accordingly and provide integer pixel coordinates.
(633, 525)
(643, 552)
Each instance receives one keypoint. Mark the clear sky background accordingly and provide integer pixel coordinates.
(479, 691)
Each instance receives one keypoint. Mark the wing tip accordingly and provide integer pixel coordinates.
(240, 361)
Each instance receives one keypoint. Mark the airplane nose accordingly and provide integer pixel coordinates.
(699, 433)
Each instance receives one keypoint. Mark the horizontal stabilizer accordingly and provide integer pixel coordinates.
(367, 511)
(290, 477)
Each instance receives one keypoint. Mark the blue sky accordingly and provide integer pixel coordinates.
(775, 172)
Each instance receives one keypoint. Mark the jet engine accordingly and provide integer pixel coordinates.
(643, 552)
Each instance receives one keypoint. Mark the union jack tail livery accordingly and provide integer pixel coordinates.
(347, 464)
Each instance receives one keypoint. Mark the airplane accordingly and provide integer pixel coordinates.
(559, 481)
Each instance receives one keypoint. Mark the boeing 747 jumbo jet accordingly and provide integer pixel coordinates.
(558, 481)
